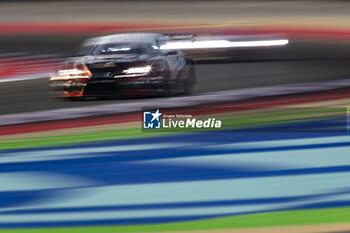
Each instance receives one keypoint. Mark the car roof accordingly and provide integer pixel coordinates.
(126, 37)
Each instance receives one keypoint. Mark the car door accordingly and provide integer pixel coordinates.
(175, 62)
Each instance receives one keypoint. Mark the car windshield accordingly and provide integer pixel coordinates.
(84, 50)
(123, 48)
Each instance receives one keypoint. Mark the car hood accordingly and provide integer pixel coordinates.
(113, 58)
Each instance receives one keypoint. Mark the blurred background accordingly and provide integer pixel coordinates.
(280, 163)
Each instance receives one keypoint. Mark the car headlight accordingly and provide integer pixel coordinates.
(78, 71)
(138, 70)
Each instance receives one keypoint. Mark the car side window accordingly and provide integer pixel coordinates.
(172, 52)
(150, 48)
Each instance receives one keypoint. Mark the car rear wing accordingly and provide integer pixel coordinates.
(191, 37)
(175, 38)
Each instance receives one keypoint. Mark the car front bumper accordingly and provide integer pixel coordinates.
(109, 87)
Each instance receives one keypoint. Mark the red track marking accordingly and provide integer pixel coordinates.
(12, 67)
(66, 124)
(58, 28)
(95, 28)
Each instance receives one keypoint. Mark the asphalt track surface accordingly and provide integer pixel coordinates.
(297, 63)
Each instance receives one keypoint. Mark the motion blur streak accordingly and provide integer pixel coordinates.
(212, 44)
(26, 66)
(178, 183)
(175, 177)
(276, 73)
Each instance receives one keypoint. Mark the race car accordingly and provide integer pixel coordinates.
(125, 64)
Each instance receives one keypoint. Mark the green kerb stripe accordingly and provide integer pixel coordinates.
(282, 218)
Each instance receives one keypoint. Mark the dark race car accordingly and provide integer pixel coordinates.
(125, 64)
